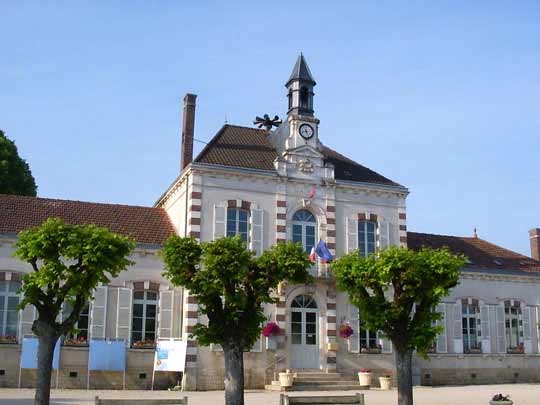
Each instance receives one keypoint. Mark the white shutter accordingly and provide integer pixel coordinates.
(527, 342)
(220, 221)
(384, 235)
(354, 339)
(27, 317)
(98, 313)
(501, 335)
(123, 314)
(484, 328)
(256, 239)
(386, 344)
(352, 235)
(458, 328)
(166, 307)
(442, 346)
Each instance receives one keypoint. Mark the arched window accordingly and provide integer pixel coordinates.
(145, 304)
(304, 229)
(9, 312)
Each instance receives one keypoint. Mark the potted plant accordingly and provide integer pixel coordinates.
(11, 339)
(500, 399)
(80, 341)
(269, 330)
(345, 332)
(144, 344)
(286, 378)
(385, 380)
(364, 376)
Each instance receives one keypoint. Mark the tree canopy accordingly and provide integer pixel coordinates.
(68, 262)
(15, 175)
(396, 291)
(231, 286)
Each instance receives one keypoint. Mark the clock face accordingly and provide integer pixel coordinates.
(306, 131)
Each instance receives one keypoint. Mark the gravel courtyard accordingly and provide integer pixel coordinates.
(521, 394)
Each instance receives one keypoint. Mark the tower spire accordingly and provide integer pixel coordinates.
(300, 86)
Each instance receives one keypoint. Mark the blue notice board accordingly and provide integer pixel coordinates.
(107, 355)
(29, 353)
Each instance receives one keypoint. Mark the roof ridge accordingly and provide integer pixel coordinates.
(73, 201)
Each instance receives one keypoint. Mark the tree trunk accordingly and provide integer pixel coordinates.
(404, 377)
(47, 337)
(234, 375)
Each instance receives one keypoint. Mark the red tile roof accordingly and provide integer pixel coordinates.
(250, 148)
(144, 224)
(481, 253)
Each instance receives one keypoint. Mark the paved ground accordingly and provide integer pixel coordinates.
(521, 394)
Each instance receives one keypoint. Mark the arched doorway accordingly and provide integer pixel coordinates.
(304, 339)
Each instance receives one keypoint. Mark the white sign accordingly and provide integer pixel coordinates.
(170, 355)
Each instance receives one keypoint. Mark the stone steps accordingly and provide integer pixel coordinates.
(318, 381)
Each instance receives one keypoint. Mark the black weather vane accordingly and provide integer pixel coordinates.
(267, 122)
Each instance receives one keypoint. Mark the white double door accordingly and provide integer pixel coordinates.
(304, 340)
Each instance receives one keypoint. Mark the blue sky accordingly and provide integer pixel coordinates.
(442, 97)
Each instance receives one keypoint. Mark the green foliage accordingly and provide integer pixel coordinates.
(387, 286)
(15, 175)
(68, 262)
(231, 285)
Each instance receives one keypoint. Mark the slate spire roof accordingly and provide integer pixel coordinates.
(301, 71)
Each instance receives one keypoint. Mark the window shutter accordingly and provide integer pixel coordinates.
(354, 339)
(501, 335)
(123, 314)
(386, 344)
(27, 317)
(458, 329)
(527, 342)
(166, 309)
(256, 239)
(442, 346)
(384, 234)
(220, 221)
(352, 235)
(98, 314)
(484, 328)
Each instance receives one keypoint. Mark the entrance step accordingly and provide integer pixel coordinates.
(318, 381)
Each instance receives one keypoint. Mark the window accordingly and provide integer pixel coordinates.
(471, 329)
(305, 99)
(367, 338)
(366, 237)
(144, 316)
(513, 326)
(237, 223)
(9, 313)
(304, 229)
(80, 336)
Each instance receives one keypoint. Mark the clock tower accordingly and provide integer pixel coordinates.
(302, 124)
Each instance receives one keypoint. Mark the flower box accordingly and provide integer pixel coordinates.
(286, 379)
(364, 377)
(144, 344)
(385, 382)
(8, 339)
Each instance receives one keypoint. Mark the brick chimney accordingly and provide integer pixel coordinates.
(188, 130)
(534, 235)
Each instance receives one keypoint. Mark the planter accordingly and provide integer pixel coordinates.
(332, 347)
(385, 382)
(286, 379)
(271, 343)
(365, 379)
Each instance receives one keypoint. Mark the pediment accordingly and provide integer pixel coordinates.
(304, 151)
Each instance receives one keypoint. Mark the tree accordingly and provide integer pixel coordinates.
(15, 175)
(68, 262)
(231, 286)
(396, 292)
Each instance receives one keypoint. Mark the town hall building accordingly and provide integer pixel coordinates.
(269, 185)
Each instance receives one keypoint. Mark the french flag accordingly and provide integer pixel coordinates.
(312, 255)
